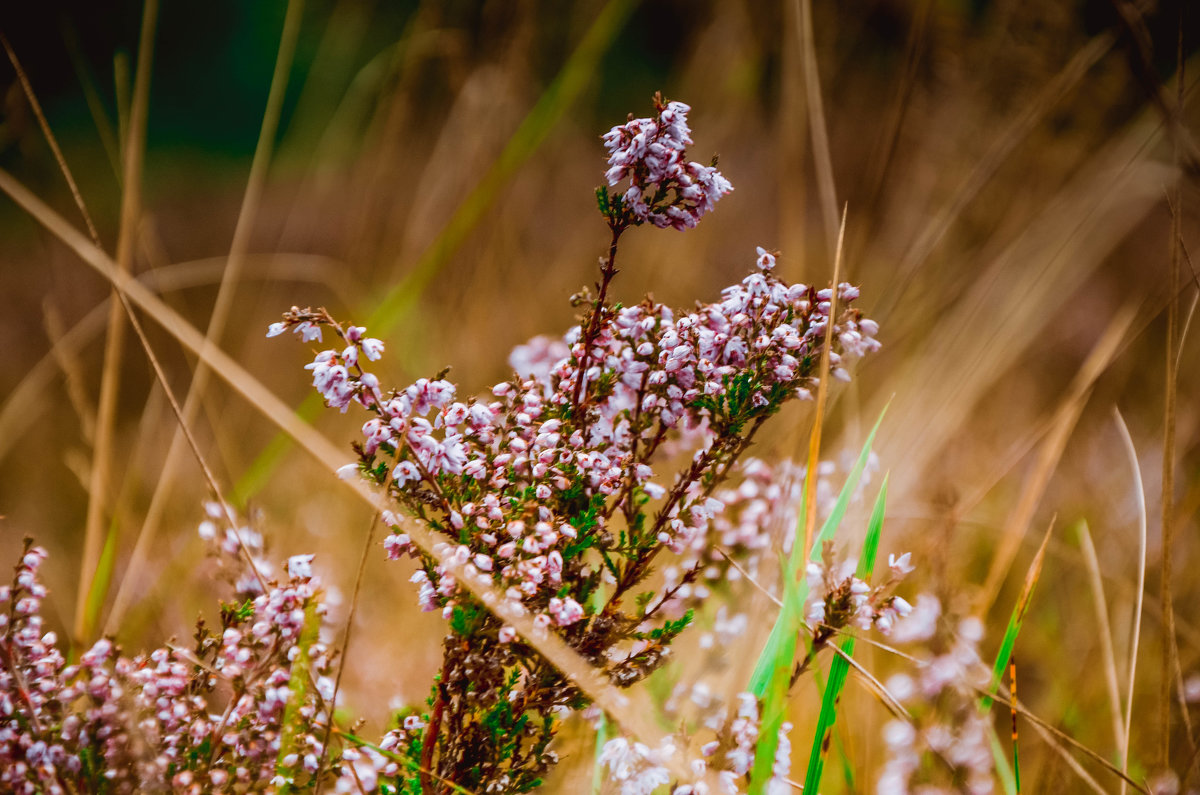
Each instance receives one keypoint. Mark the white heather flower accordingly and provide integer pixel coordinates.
(406, 471)
(372, 348)
(275, 329)
(766, 260)
(921, 623)
(902, 564)
(308, 331)
(300, 567)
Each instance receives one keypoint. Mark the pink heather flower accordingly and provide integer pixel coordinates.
(565, 611)
(397, 545)
(507, 634)
(651, 154)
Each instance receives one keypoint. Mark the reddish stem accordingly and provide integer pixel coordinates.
(607, 271)
(429, 743)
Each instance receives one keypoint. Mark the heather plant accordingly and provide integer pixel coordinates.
(241, 709)
(557, 487)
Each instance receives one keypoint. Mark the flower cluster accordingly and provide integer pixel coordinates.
(839, 599)
(244, 710)
(729, 754)
(664, 188)
(37, 741)
(523, 483)
(331, 376)
(946, 722)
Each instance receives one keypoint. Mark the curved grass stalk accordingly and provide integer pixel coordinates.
(1140, 498)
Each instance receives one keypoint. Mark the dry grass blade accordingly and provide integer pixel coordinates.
(223, 304)
(1032, 112)
(1139, 491)
(1014, 298)
(1071, 761)
(24, 405)
(104, 129)
(1065, 739)
(1105, 630)
(102, 571)
(51, 140)
(99, 585)
(72, 370)
(337, 682)
(1167, 512)
(878, 688)
(880, 165)
(629, 709)
(98, 486)
(1048, 456)
(822, 159)
(814, 439)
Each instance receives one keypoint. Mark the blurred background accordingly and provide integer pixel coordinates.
(1011, 174)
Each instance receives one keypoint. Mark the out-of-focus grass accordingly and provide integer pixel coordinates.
(1004, 172)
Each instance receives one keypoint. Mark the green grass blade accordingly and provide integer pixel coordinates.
(866, 561)
(847, 768)
(568, 84)
(840, 668)
(1016, 767)
(772, 673)
(1004, 656)
(1014, 620)
(101, 580)
(1004, 771)
(598, 776)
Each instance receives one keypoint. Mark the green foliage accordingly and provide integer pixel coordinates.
(772, 673)
(669, 630)
(466, 618)
(840, 667)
